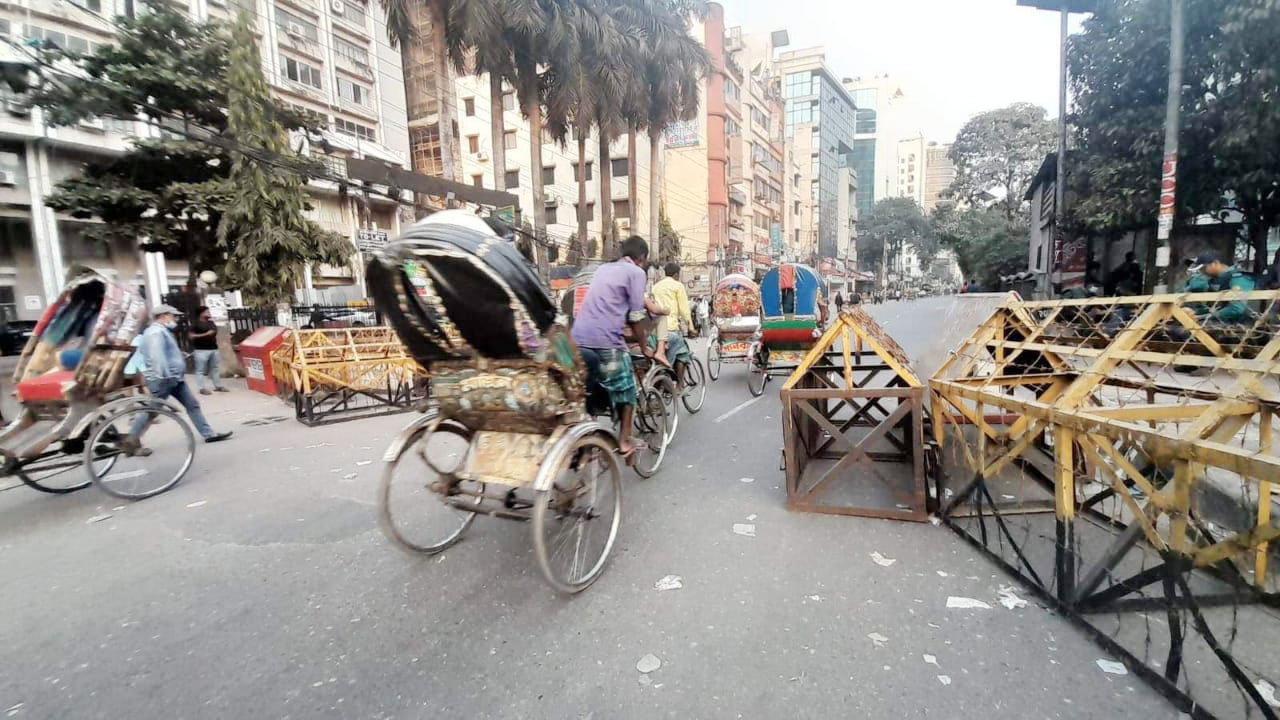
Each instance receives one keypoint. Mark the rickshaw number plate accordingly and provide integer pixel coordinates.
(735, 348)
(505, 458)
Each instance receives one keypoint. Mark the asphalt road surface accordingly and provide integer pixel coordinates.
(261, 587)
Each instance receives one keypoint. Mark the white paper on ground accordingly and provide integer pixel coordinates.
(744, 529)
(878, 639)
(669, 582)
(881, 560)
(1112, 667)
(964, 603)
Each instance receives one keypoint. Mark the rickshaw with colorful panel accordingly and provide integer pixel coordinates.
(78, 407)
(735, 315)
(793, 299)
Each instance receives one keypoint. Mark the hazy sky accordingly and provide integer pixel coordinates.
(956, 57)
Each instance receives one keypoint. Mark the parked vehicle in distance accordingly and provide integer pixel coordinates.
(14, 335)
(339, 317)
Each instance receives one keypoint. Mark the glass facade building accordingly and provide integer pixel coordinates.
(813, 98)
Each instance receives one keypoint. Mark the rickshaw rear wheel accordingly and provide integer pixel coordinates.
(166, 438)
(757, 374)
(575, 521)
(695, 386)
(713, 357)
(665, 385)
(412, 512)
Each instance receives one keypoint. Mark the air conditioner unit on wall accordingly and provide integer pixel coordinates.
(482, 156)
(7, 178)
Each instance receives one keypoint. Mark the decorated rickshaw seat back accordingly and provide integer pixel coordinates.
(454, 290)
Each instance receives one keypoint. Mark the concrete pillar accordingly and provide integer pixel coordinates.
(44, 224)
(157, 279)
(308, 286)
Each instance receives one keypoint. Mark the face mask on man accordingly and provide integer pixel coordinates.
(170, 323)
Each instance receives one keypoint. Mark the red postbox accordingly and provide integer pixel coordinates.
(255, 355)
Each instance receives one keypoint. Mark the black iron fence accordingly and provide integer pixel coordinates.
(245, 320)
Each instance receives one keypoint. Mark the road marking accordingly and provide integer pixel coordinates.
(743, 406)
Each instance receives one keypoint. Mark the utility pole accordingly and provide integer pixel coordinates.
(1169, 168)
(1060, 181)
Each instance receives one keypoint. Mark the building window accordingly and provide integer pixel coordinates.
(473, 144)
(813, 190)
(549, 175)
(591, 211)
(469, 107)
(353, 92)
(513, 179)
(732, 91)
(477, 180)
(424, 150)
(622, 208)
(576, 173)
(509, 102)
(553, 216)
(618, 166)
(731, 128)
(509, 139)
(351, 51)
(797, 210)
(802, 83)
(797, 237)
(295, 26)
(347, 127)
(814, 164)
(300, 72)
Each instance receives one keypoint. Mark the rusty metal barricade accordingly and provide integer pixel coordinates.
(338, 374)
(853, 425)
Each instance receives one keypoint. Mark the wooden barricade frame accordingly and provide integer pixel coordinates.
(853, 402)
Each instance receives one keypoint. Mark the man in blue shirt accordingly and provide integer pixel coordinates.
(164, 368)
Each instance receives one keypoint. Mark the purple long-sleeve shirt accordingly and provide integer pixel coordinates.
(617, 290)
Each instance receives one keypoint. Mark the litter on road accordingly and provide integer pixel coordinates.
(1112, 667)
(964, 603)
(944, 679)
(930, 659)
(648, 663)
(197, 503)
(97, 518)
(881, 560)
(1009, 598)
(744, 529)
(669, 582)
(878, 639)
(1268, 692)
(746, 480)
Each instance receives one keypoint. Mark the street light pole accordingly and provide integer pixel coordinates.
(1169, 168)
(1060, 181)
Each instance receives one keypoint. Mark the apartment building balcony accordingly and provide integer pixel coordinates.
(349, 16)
(353, 66)
(309, 7)
(298, 43)
(358, 109)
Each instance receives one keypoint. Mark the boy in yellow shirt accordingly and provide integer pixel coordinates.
(670, 295)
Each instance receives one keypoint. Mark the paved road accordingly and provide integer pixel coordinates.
(261, 588)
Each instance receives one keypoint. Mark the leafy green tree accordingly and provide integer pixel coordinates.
(1229, 135)
(263, 230)
(998, 153)
(166, 194)
(892, 224)
(987, 244)
(668, 239)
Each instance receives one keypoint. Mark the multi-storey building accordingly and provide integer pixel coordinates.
(559, 167)
(819, 121)
(886, 117)
(328, 56)
(939, 173)
(911, 168)
(763, 152)
(697, 159)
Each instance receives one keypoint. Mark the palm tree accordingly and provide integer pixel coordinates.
(480, 47)
(617, 86)
(673, 65)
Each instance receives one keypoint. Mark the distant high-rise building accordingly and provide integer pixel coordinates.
(886, 117)
(820, 117)
(939, 173)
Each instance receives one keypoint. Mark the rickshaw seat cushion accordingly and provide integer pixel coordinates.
(45, 388)
(70, 359)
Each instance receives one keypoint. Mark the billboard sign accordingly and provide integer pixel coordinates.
(683, 133)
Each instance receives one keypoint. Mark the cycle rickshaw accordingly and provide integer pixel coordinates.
(79, 410)
(735, 313)
(794, 304)
(506, 431)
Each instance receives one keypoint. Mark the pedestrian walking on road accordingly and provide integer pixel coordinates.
(204, 341)
(164, 370)
(839, 302)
